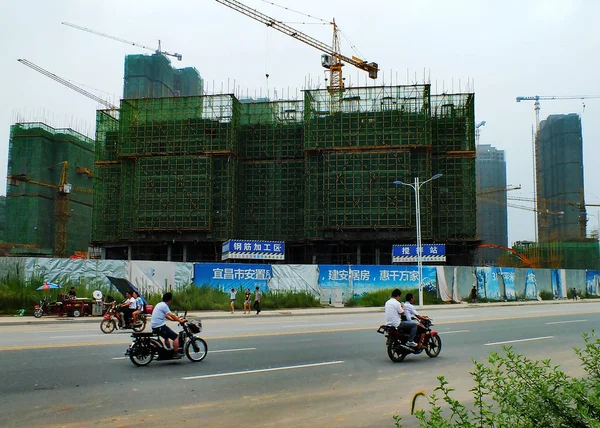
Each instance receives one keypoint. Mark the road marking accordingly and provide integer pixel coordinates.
(58, 330)
(452, 332)
(519, 340)
(564, 322)
(70, 337)
(120, 358)
(274, 369)
(316, 325)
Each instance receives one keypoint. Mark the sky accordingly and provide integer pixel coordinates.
(500, 50)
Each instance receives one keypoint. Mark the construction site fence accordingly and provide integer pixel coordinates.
(335, 284)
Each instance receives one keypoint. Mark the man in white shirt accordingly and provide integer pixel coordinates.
(128, 306)
(394, 313)
(160, 314)
(411, 312)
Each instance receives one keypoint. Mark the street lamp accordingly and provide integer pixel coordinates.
(416, 187)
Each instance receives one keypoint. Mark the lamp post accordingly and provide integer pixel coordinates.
(417, 187)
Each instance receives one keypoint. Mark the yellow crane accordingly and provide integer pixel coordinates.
(331, 59)
(61, 203)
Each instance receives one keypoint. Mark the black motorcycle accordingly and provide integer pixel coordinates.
(396, 339)
(149, 346)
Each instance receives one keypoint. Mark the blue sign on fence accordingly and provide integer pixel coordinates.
(225, 276)
(254, 250)
(408, 253)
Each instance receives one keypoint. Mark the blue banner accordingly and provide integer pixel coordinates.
(254, 250)
(531, 291)
(407, 253)
(508, 277)
(224, 276)
(592, 277)
(487, 283)
(359, 280)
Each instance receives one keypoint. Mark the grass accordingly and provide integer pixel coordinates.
(379, 297)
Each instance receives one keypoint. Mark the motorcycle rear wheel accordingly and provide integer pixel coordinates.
(140, 355)
(434, 346)
(107, 326)
(191, 353)
(395, 354)
(37, 312)
(140, 325)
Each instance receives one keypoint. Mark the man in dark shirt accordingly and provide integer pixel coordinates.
(72, 293)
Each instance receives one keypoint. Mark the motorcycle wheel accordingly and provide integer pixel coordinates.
(193, 354)
(395, 354)
(434, 346)
(107, 326)
(76, 313)
(38, 313)
(140, 355)
(140, 325)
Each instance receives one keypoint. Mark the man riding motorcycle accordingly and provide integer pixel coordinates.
(411, 313)
(395, 316)
(159, 326)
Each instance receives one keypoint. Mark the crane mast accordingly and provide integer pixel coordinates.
(67, 83)
(332, 58)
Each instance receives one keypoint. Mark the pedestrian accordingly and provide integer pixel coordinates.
(574, 293)
(474, 294)
(232, 299)
(247, 300)
(257, 300)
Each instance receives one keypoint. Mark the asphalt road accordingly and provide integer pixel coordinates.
(322, 370)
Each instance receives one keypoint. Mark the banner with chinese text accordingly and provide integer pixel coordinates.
(225, 276)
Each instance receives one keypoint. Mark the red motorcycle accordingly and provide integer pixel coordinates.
(396, 341)
(112, 320)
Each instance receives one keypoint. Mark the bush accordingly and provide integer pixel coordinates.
(513, 391)
(547, 295)
(379, 297)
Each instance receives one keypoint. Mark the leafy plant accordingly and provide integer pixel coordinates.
(514, 391)
(547, 295)
(379, 297)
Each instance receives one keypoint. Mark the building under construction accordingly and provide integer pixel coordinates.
(49, 191)
(175, 177)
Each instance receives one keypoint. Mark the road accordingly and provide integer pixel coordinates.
(321, 370)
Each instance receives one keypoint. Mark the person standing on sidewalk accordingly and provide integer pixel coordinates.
(474, 294)
(232, 299)
(257, 300)
(247, 300)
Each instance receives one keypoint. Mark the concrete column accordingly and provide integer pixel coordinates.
(184, 253)
(102, 253)
(129, 250)
(169, 251)
(358, 257)
(377, 261)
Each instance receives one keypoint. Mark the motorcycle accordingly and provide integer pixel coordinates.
(149, 346)
(111, 321)
(38, 310)
(396, 341)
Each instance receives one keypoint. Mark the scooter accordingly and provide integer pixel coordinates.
(397, 348)
(149, 346)
(111, 321)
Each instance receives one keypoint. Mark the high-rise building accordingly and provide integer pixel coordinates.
(492, 218)
(559, 178)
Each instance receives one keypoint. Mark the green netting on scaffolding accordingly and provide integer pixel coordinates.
(452, 123)
(271, 130)
(271, 200)
(454, 193)
(224, 211)
(182, 125)
(173, 193)
(107, 203)
(563, 255)
(368, 117)
(107, 135)
(37, 153)
(188, 82)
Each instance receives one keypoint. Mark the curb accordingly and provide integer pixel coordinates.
(287, 313)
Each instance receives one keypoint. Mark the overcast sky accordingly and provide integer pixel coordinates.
(507, 49)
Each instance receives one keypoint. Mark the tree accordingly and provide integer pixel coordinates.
(516, 392)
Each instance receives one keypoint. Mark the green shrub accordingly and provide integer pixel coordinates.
(512, 391)
(547, 295)
(379, 297)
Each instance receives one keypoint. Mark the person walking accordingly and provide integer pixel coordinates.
(232, 299)
(247, 300)
(474, 294)
(257, 301)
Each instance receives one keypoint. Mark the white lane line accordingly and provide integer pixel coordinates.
(564, 322)
(519, 340)
(452, 332)
(316, 325)
(210, 352)
(78, 335)
(274, 369)
(58, 330)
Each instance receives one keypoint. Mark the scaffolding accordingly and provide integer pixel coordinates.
(37, 153)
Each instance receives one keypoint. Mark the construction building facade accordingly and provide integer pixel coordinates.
(492, 215)
(49, 190)
(559, 179)
(178, 176)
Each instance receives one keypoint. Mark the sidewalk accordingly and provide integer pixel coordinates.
(6, 321)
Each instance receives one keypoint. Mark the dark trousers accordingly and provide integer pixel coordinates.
(256, 306)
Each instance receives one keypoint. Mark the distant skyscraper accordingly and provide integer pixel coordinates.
(492, 218)
(559, 179)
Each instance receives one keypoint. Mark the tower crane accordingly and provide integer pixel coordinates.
(61, 203)
(331, 59)
(489, 190)
(67, 84)
(478, 131)
(536, 107)
(118, 39)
